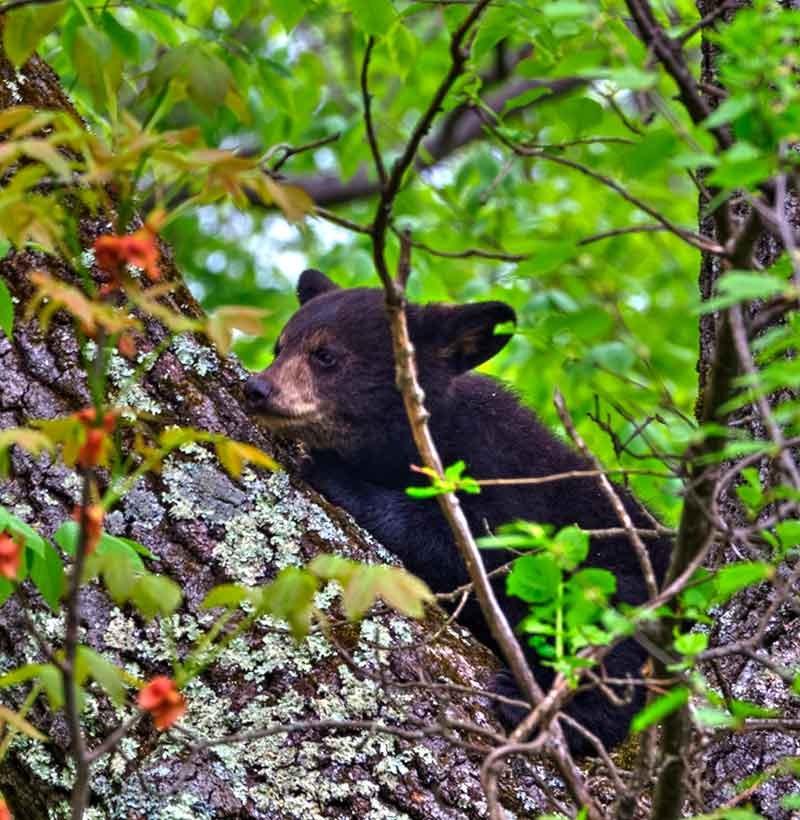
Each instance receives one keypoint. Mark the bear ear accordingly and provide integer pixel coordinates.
(312, 283)
(465, 335)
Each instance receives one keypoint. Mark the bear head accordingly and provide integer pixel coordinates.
(332, 382)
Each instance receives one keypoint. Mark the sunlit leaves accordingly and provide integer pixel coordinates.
(373, 16)
(453, 481)
(98, 64)
(221, 324)
(25, 27)
(290, 597)
(202, 76)
(19, 723)
(33, 441)
(233, 455)
(53, 294)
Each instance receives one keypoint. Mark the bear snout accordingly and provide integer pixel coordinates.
(257, 393)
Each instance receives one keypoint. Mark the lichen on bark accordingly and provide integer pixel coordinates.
(205, 528)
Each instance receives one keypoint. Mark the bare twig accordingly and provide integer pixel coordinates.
(289, 151)
(367, 100)
(610, 493)
(413, 399)
(671, 56)
(620, 231)
(706, 21)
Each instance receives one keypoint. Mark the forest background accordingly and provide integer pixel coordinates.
(587, 162)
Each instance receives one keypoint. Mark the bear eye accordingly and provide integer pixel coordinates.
(323, 357)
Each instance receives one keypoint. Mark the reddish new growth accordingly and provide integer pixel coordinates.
(10, 558)
(93, 450)
(164, 702)
(94, 525)
(5, 814)
(113, 253)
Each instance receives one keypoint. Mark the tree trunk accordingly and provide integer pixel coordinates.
(726, 763)
(204, 529)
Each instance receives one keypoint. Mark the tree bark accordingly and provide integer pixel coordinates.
(204, 529)
(726, 762)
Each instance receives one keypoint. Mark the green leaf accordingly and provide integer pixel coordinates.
(25, 27)
(120, 575)
(547, 257)
(156, 595)
(626, 77)
(791, 802)
(66, 536)
(660, 708)
(6, 590)
(580, 114)
(743, 709)
(373, 16)
(21, 674)
(6, 310)
(330, 567)
(206, 79)
(22, 531)
(743, 165)
(289, 12)
(228, 595)
(730, 109)
(534, 578)
(734, 577)
(570, 547)
(289, 597)
(97, 63)
(105, 673)
(692, 643)
(744, 286)
(124, 40)
(53, 684)
(568, 10)
(47, 573)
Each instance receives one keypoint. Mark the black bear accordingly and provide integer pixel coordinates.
(332, 387)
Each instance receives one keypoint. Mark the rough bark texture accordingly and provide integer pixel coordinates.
(205, 528)
(728, 761)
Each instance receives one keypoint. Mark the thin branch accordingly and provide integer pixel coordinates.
(692, 238)
(413, 400)
(620, 231)
(748, 365)
(330, 216)
(670, 54)
(500, 256)
(334, 725)
(610, 493)
(546, 479)
(110, 743)
(367, 100)
(705, 22)
(290, 151)
(458, 56)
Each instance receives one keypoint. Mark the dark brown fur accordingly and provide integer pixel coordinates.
(338, 348)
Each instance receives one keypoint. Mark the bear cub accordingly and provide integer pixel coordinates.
(332, 387)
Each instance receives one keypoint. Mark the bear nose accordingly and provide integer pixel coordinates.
(257, 392)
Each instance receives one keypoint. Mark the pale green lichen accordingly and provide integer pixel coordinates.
(300, 779)
(199, 358)
(130, 393)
